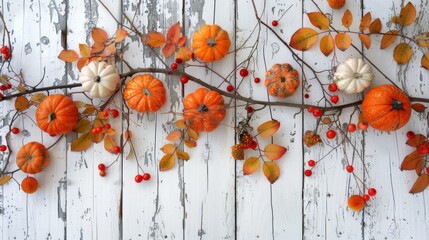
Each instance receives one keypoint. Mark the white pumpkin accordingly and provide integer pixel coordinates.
(353, 75)
(99, 79)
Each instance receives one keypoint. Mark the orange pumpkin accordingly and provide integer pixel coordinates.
(386, 108)
(210, 43)
(32, 158)
(57, 114)
(204, 110)
(145, 93)
(281, 80)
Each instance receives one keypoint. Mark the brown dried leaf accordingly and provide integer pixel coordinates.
(327, 45)
(168, 50)
(82, 126)
(422, 39)
(154, 39)
(166, 163)
(37, 98)
(347, 19)
(174, 136)
(421, 184)
(182, 155)
(416, 141)
(375, 26)
(121, 34)
(68, 56)
(271, 171)
(425, 61)
(21, 103)
(343, 41)
(4, 179)
(99, 35)
(319, 20)
(82, 143)
(79, 104)
(184, 53)
(388, 38)
(366, 21)
(168, 148)
(268, 128)
(420, 167)
(251, 165)
(408, 14)
(89, 110)
(366, 40)
(402, 53)
(109, 144)
(303, 39)
(411, 160)
(173, 34)
(418, 107)
(85, 51)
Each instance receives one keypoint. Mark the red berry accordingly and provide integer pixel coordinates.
(115, 113)
(423, 149)
(410, 134)
(308, 173)
(2, 87)
(117, 149)
(249, 109)
(94, 131)
(311, 163)
(8, 86)
(107, 126)
(363, 125)
(310, 109)
(106, 114)
(253, 145)
(138, 178)
(146, 176)
(230, 88)
(427, 170)
(275, 23)
(306, 95)
(317, 112)
(257, 80)
(331, 134)
(179, 60)
(351, 127)
(350, 168)
(101, 167)
(174, 66)
(334, 99)
(4, 49)
(6, 56)
(372, 192)
(3, 148)
(184, 79)
(99, 129)
(333, 87)
(366, 197)
(102, 173)
(15, 130)
(244, 72)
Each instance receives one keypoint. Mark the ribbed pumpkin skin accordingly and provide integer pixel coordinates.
(57, 114)
(204, 110)
(32, 158)
(381, 105)
(144, 93)
(281, 80)
(210, 43)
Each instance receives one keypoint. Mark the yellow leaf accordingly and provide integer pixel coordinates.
(99, 35)
(168, 148)
(421, 183)
(388, 39)
(5, 179)
(82, 143)
(109, 144)
(269, 128)
(166, 163)
(319, 20)
(347, 19)
(184, 53)
(408, 14)
(168, 50)
(375, 26)
(182, 155)
(402, 53)
(366, 40)
(21, 88)
(327, 45)
(121, 34)
(274, 151)
(190, 143)
(89, 110)
(181, 124)
(82, 126)
(251, 165)
(303, 39)
(422, 39)
(37, 98)
(79, 104)
(85, 51)
(366, 21)
(425, 61)
(174, 135)
(68, 56)
(343, 41)
(154, 39)
(193, 134)
(111, 131)
(21, 103)
(271, 171)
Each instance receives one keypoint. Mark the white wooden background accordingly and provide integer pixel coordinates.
(208, 197)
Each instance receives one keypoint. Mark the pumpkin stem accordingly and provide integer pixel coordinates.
(357, 75)
(211, 42)
(146, 92)
(397, 105)
(282, 79)
(98, 79)
(51, 117)
(203, 108)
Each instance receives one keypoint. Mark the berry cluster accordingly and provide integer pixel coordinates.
(5, 51)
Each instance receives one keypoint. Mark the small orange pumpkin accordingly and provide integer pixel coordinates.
(386, 108)
(204, 110)
(210, 43)
(281, 80)
(32, 158)
(57, 114)
(145, 93)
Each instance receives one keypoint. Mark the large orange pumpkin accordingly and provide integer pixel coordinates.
(204, 110)
(145, 93)
(386, 108)
(57, 114)
(210, 43)
(32, 158)
(281, 80)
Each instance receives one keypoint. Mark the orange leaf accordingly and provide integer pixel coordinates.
(420, 166)
(269, 128)
(418, 107)
(174, 135)
(82, 62)
(388, 39)
(167, 162)
(5, 179)
(82, 143)
(327, 45)
(421, 184)
(97, 47)
(251, 165)
(168, 50)
(193, 134)
(425, 61)
(68, 56)
(271, 171)
(184, 53)
(109, 144)
(174, 33)
(402, 53)
(181, 124)
(168, 148)
(21, 103)
(303, 39)
(366, 21)
(154, 39)
(343, 41)
(85, 51)
(109, 50)
(411, 160)
(182, 155)
(347, 19)
(422, 39)
(121, 34)
(190, 143)
(408, 14)
(416, 141)
(319, 20)
(375, 26)
(99, 35)
(182, 41)
(274, 151)
(366, 40)
(111, 131)
(128, 135)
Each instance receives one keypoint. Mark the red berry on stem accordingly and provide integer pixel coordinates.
(423, 149)
(174, 66)
(331, 134)
(117, 149)
(6, 56)
(366, 197)
(410, 134)
(8, 86)
(275, 23)
(244, 72)
(146, 176)
(102, 173)
(253, 144)
(230, 88)
(334, 99)
(138, 178)
(106, 114)
(257, 80)
(333, 87)
(107, 126)
(99, 129)
(3, 148)
(311, 163)
(101, 167)
(306, 95)
(2, 87)
(349, 168)
(15, 130)
(249, 109)
(308, 173)
(4, 49)
(178, 60)
(94, 131)
(372, 192)
(317, 112)
(115, 113)
(351, 127)
(310, 109)
(427, 170)
(363, 125)
(184, 79)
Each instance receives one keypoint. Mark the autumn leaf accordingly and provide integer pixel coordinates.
(416, 141)
(154, 39)
(420, 166)
(121, 34)
(180, 124)
(182, 41)
(82, 62)
(168, 148)
(174, 135)
(4, 179)
(366, 40)
(184, 53)
(402, 53)
(271, 171)
(274, 151)
(168, 50)
(347, 19)
(99, 35)
(89, 110)
(21, 103)
(97, 47)
(375, 26)
(421, 183)
(193, 134)
(96, 138)
(408, 14)
(109, 50)
(388, 39)
(190, 143)
(422, 39)
(269, 128)
(79, 104)
(68, 56)
(109, 144)
(366, 21)
(327, 45)
(85, 51)
(82, 126)
(425, 61)
(111, 131)
(418, 107)
(303, 39)
(82, 143)
(343, 41)
(251, 165)
(166, 163)
(128, 135)
(182, 155)
(411, 160)
(173, 34)
(319, 20)
(37, 98)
